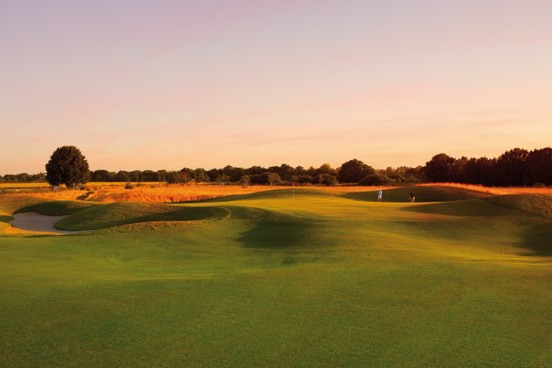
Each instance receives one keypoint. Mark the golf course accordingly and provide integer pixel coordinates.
(292, 277)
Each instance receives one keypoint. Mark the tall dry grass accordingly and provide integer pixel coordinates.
(168, 193)
(496, 190)
(174, 193)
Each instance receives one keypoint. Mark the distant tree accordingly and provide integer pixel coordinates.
(245, 180)
(375, 179)
(225, 179)
(458, 170)
(9, 178)
(300, 170)
(214, 175)
(68, 166)
(305, 179)
(325, 169)
(235, 173)
(326, 179)
(187, 174)
(102, 175)
(480, 171)
(439, 168)
(511, 167)
(173, 177)
(255, 170)
(149, 176)
(201, 175)
(161, 175)
(122, 176)
(353, 171)
(539, 167)
(273, 178)
(137, 176)
(286, 172)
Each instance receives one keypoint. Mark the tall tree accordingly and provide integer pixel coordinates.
(539, 166)
(67, 166)
(439, 168)
(353, 171)
(510, 167)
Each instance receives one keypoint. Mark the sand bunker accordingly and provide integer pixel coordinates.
(37, 222)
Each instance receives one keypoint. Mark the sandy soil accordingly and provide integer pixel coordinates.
(37, 222)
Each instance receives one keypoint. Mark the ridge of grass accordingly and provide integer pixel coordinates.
(56, 208)
(433, 193)
(538, 204)
(114, 214)
(274, 194)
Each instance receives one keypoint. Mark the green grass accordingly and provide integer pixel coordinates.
(56, 208)
(435, 193)
(277, 279)
(115, 214)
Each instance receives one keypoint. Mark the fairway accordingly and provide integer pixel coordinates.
(281, 278)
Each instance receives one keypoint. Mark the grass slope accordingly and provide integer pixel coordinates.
(433, 193)
(305, 280)
(114, 214)
(56, 208)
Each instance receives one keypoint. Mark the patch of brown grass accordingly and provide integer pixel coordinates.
(496, 190)
(172, 193)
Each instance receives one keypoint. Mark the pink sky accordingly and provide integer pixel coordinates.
(167, 84)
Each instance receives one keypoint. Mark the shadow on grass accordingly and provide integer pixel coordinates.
(56, 208)
(93, 221)
(422, 193)
(272, 194)
(469, 208)
(538, 241)
(277, 235)
(281, 240)
(6, 218)
(274, 230)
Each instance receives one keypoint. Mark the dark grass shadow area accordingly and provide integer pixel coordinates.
(272, 194)
(56, 208)
(117, 214)
(473, 207)
(6, 218)
(274, 230)
(277, 235)
(421, 193)
(538, 240)
(536, 204)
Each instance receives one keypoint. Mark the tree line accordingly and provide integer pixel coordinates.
(516, 167)
(351, 172)
(23, 178)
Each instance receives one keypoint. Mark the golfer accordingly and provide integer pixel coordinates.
(380, 195)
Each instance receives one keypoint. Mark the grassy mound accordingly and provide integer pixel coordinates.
(460, 208)
(10, 203)
(113, 214)
(273, 194)
(433, 193)
(538, 204)
(56, 208)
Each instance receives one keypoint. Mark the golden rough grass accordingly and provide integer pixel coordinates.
(169, 193)
(24, 185)
(166, 193)
(495, 190)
